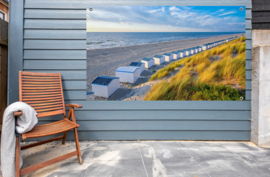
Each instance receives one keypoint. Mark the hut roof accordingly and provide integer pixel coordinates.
(135, 64)
(103, 80)
(147, 59)
(158, 56)
(126, 69)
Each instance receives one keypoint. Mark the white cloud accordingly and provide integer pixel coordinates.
(157, 10)
(227, 13)
(236, 23)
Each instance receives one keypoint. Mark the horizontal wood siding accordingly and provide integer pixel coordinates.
(261, 14)
(54, 35)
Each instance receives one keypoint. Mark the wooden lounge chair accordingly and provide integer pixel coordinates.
(43, 91)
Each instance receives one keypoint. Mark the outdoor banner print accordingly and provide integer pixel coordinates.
(165, 53)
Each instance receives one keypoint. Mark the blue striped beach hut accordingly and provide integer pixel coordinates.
(148, 62)
(159, 59)
(127, 74)
(104, 86)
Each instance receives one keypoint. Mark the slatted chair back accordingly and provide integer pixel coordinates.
(42, 91)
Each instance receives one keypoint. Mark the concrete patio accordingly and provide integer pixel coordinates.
(152, 159)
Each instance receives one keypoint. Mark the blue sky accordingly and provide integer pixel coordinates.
(166, 19)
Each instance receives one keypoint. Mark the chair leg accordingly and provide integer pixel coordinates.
(17, 153)
(64, 138)
(77, 146)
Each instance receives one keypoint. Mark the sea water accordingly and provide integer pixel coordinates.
(100, 40)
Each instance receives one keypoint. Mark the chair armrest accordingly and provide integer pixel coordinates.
(74, 105)
(18, 113)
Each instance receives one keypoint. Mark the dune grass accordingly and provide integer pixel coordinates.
(215, 74)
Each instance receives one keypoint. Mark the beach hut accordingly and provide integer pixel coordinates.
(168, 56)
(199, 48)
(204, 47)
(127, 74)
(139, 65)
(90, 96)
(176, 55)
(195, 49)
(159, 59)
(182, 53)
(187, 52)
(191, 51)
(104, 86)
(148, 62)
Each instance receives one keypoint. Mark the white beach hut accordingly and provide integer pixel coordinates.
(105, 86)
(199, 48)
(182, 53)
(187, 52)
(168, 56)
(176, 55)
(191, 51)
(195, 49)
(148, 62)
(127, 74)
(159, 59)
(139, 65)
(204, 47)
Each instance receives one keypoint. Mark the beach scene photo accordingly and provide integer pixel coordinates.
(155, 53)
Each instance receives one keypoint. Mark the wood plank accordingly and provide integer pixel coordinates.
(248, 24)
(248, 34)
(55, 44)
(248, 14)
(75, 95)
(54, 24)
(55, 64)
(82, 115)
(248, 85)
(248, 64)
(248, 44)
(74, 85)
(248, 95)
(163, 135)
(261, 26)
(69, 24)
(260, 14)
(15, 53)
(248, 54)
(248, 74)
(82, 4)
(162, 125)
(79, 75)
(54, 34)
(55, 14)
(55, 54)
(261, 19)
(261, 5)
(160, 105)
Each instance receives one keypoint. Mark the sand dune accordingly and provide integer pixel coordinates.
(103, 62)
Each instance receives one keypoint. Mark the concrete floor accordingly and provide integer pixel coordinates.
(152, 159)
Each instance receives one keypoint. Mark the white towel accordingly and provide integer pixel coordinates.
(26, 122)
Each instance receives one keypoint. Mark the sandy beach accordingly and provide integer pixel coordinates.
(103, 62)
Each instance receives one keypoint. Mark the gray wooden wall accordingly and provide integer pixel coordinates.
(261, 14)
(50, 36)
